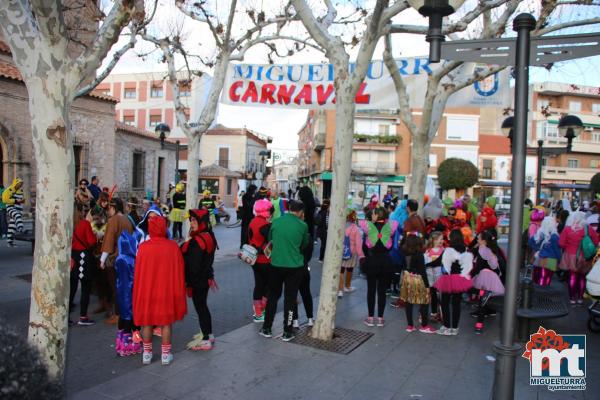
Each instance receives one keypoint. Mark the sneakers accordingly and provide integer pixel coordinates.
(287, 336)
(85, 321)
(410, 329)
(454, 331)
(349, 289)
(166, 358)
(427, 329)
(203, 345)
(380, 322)
(295, 324)
(444, 331)
(211, 338)
(478, 328)
(340, 294)
(258, 319)
(369, 321)
(265, 333)
(146, 358)
(311, 322)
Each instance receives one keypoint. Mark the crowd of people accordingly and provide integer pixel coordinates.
(436, 259)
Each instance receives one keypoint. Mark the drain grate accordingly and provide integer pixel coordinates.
(25, 277)
(344, 340)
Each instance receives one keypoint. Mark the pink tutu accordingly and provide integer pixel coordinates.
(453, 283)
(490, 281)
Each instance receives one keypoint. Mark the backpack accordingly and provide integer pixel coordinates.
(347, 254)
(586, 246)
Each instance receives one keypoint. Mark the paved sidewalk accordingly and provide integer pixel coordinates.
(393, 364)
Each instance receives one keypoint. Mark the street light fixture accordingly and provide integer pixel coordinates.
(569, 127)
(436, 10)
(162, 130)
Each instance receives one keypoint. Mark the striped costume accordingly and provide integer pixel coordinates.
(13, 198)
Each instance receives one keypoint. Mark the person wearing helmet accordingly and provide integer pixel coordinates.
(13, 198)
(208, 203)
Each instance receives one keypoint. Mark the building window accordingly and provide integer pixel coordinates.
(129, 93)
(433, 160)
(185, 89)
(129, 120)
(596, 108)
(105, 92)
(155, 120)
(384, 129)
(594, 163)
(229, 186)
(573, 163)
(543, 103)
(223, 157)
(208, 184)
(596, 137)
(462, 128)
(575, 106)
(486, 171)
(156, 91)
(546, 130)
(137, 181)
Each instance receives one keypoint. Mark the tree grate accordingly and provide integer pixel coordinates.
(25, 277)
(344, 340)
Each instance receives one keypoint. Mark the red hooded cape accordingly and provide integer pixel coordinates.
(159, 282)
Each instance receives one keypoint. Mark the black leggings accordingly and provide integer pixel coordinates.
(323, 245)
(423, 308)
(449, 299)
(377, 283)
(306, 295)
(434, 300)
(260, 281)
(86, 288)
(177, 230)
(199, 296)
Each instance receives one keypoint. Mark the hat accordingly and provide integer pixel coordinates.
(206, 193)
(262, 208)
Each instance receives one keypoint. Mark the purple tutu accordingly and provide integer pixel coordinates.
(490, 281)
(453, 283)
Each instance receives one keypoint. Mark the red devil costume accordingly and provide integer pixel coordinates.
(159, 283)
(486, 220)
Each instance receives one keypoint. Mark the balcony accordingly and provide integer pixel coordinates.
(391, 140)
(374, 168)
(568, 174)
(319, 141)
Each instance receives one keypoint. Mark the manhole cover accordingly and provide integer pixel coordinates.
(343, 342)
(25, 277)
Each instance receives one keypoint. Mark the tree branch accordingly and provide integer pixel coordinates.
(239, 55)
(49, 17)
(316, 30)
(121, 13)
(18, 29)
(230, 18)
(403, 96)
(564, 25)
(205, 18)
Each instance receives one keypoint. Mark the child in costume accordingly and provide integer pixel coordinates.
(258, 233)
(83, 263)
(199, 256)
(377, 265)
(486, 220)
(351, 255)
(485, 273)
(548, 253)
(128, 338)
(457, 263)
(433, 262)
(158, 288)
(13, 198)
(415, 285)
(177, 214)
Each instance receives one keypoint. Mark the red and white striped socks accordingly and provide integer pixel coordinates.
(148, 347)
(166, 348)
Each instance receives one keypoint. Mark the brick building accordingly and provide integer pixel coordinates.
(126, 156)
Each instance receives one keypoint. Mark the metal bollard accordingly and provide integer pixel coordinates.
(526, 299)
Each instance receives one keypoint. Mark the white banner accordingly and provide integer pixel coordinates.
(311, 86)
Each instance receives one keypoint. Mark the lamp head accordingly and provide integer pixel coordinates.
(429, 7)
(507, 127)
(570, 126)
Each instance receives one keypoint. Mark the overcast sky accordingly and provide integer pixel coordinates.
(282, 124)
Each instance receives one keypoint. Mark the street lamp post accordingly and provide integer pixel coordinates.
(162, 130)
(502, 51)
(177, 161)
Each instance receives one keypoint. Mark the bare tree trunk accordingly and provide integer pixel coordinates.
(342, 167)
(54, 219)
(419, 166)
(193, 172)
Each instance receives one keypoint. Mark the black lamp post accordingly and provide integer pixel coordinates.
(162, 130)
(569, 127)
(436, 10)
